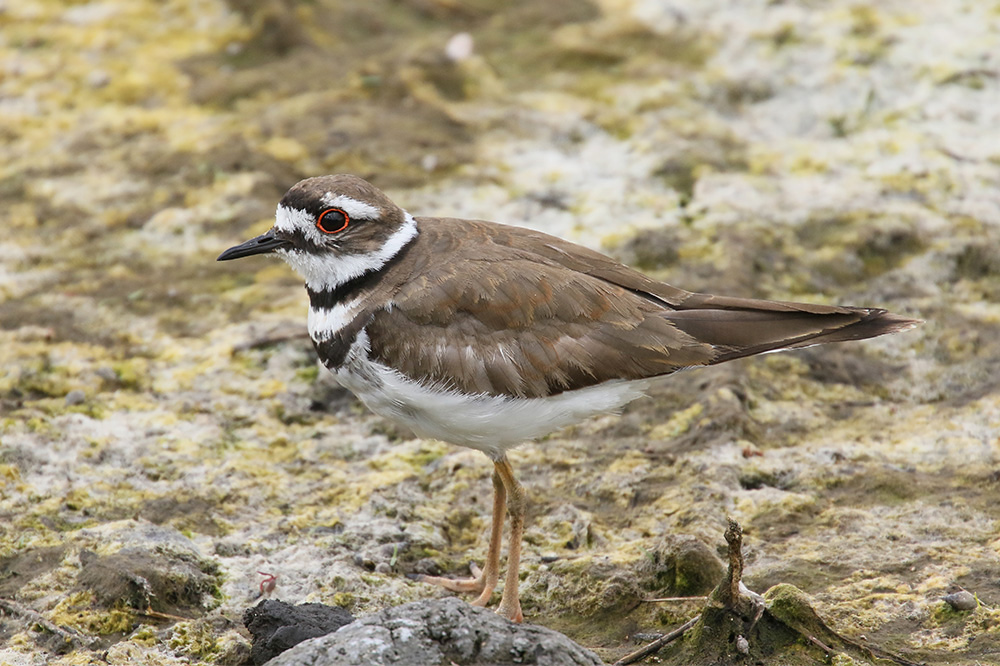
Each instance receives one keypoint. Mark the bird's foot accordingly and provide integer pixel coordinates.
(478, 584)
(511, 611)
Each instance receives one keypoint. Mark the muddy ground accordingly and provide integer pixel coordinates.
(166, 433)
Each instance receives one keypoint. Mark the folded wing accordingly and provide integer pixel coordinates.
(476, 322)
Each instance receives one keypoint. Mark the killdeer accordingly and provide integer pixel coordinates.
(486, 335)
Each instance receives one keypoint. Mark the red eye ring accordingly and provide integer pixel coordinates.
(319, 220)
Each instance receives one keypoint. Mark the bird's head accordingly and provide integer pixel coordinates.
(331, 229)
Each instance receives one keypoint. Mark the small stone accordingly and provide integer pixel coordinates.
(742, 645)
(363, 561)
(962, 600)
(107, 374)
(460, 47)
(427, 566)
(75, 397)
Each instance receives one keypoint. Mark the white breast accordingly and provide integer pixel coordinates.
(490, 424)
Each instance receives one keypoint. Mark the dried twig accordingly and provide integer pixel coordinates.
(149, 612)
(820, 644)
(661, 599)
(656, 645)
(873, 651)
(35, 617)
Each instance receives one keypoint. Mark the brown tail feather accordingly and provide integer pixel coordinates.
(744, 327)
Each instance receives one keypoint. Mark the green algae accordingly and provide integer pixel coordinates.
(197, 639)
(77, 611)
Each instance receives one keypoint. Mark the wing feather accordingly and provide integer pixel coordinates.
(497, 333)
(505, 311)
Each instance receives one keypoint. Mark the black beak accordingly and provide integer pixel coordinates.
(266, 242)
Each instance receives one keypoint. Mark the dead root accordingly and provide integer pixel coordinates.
(739, 626)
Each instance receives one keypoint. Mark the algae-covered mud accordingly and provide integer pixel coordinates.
(166, 433)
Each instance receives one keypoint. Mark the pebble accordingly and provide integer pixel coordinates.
(962, 600)
(106, 373)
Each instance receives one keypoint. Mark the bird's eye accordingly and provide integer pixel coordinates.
(332, 221)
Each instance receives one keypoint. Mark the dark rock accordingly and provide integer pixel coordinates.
(277, 626)
(434, 632)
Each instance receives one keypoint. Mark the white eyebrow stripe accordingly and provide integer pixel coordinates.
(291, 220)
(355, 209)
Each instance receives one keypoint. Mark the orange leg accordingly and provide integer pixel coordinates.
(510, 603)
(484, 581)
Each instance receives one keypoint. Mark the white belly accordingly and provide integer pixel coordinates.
(488, 423)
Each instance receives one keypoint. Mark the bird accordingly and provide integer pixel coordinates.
(487, 335)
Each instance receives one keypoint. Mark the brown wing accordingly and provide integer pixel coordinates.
(480, 326)
(466, 315)
(735, 327)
